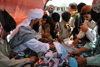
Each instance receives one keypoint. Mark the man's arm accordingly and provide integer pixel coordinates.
(94, 60)
(37, 46)
(4, 60)
(91, 34)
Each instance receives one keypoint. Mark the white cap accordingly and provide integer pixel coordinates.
(32, 15)
(35, 13)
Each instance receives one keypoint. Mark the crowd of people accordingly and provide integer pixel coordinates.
(43, 34)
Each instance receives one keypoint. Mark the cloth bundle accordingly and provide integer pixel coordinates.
(56, 59)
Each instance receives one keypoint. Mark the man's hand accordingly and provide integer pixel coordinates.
(77, 52)
(71, 37)
(69, 27)
(81, 61)
(45, 40)
(56, 30)
(52, 47)
(84, 28)
(75, 42)
(33, 58)
(13, 54)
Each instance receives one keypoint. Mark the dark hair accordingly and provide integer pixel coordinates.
(56, 17)
(45, 16)
(80, 5)
(48, 19)
(95, 16)
(36, 27)
(73, 5)
(7, 21)
(66, 16)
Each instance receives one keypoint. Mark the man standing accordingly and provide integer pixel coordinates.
(50, 11)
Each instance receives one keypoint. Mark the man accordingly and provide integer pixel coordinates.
(88, 24)
(81, 20)
(50, 11)
(64, 25)
(79, 7)
(87, 27)
(74, 20)
(34, 14)
(93, 46)
(54, 25)
(25, 37)
(7, 24)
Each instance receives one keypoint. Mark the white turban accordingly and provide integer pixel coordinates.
(32, 15)
(35, 13)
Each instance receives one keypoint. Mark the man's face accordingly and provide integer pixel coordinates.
(87, 17)
(51, 9)
(36, 21)
(33, 22)
(71, 10)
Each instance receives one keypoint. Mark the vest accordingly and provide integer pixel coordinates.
(23, 35)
